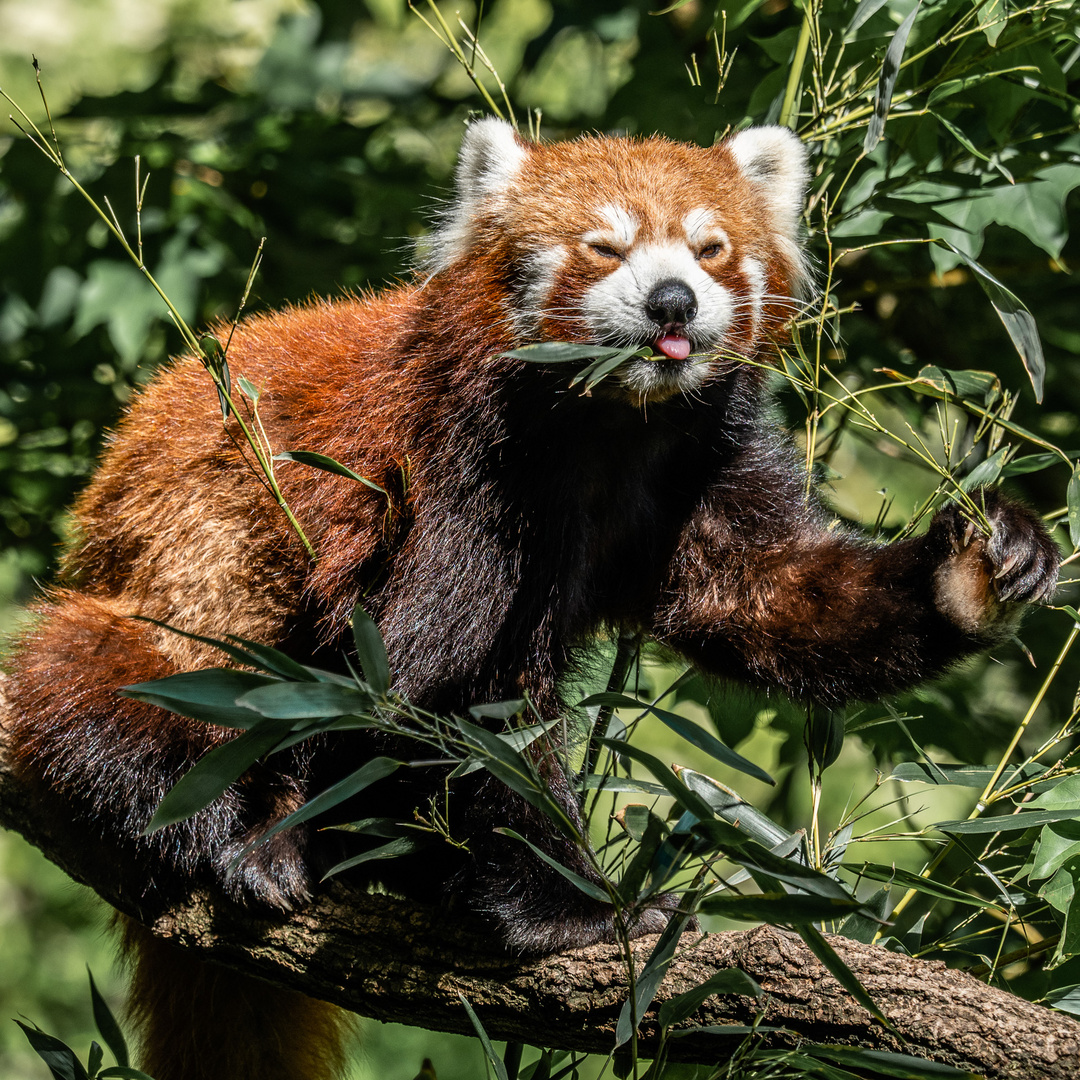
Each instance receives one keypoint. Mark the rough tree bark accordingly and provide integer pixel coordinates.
(392, 960)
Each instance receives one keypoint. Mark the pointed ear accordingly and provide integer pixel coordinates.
(491, 155)
(774, 160)
(490, 159)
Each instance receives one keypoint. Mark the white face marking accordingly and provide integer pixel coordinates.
(623, 223)
(615, 312)
(701, 231)
(615, 308)
(754, 271)
(531, 304)
(621, 231)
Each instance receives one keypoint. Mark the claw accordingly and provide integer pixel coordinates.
(1006, 566)
(1047, 591)
(969, 532)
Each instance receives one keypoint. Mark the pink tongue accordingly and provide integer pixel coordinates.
(674, 346)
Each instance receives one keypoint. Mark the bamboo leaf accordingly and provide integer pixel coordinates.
(489, 1051)
(209, 694)
(635, 818)
(215, 771)
(824, 735)
(858, 927)
(371, 650)
(947, 384)
(687, 729)
(326, 464)
(241, 656)
(735, 810)
(518, 739)
(60, 1058)
(308, 700)
(514, 770)
(890, 68)
(600, 782)
(986, 472)
(674, 786)
(959, 136)
(1065, 998)
(369, 773)
(1018, 321)
(377, 826)
(599, 370)
(280, 664)
(969, 776)
(603, 358)
(1072, 499)
(587, 887)
(894, 874)
(561, 352)
(633, 878)
(778, 908)
(836, 967)
(728, 981)
(498, 710)
(1025, 819)
(1030, 463)
(107, 1026)
(790, 872)
(403, 845)
(865, 10)
(888, 1063)
(251, 391)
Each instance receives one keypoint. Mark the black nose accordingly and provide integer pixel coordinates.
(671, 305)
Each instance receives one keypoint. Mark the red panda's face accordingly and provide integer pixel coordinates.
(686, 251)
(673, 284)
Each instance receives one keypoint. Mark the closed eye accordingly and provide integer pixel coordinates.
(605, 251)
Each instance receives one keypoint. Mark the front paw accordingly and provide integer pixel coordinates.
(982, 578)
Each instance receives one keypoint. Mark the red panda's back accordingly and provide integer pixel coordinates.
(180, 524)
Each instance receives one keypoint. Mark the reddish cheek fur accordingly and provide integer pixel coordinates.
(740, 336)
(780, 287)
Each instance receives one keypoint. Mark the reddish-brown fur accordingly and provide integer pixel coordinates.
(520, 519)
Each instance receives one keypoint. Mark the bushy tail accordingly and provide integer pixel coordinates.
(198, 1021)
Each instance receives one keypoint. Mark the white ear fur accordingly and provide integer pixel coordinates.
(774, 160)
(491, 157)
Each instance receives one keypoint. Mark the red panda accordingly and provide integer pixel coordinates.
(532, 517)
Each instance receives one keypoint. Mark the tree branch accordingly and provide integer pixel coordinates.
(394, 960)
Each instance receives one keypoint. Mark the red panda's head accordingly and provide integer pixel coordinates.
(648, 242)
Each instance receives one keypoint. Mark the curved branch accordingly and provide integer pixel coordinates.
(394, 960)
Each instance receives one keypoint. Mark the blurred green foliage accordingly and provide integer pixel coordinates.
(330, 128)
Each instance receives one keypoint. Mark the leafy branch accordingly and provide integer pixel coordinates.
(206, 348)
